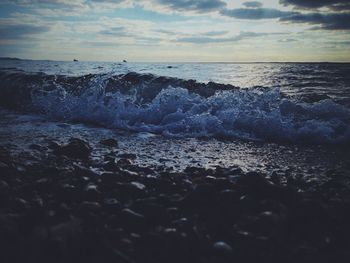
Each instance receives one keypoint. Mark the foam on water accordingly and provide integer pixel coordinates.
(178, 108)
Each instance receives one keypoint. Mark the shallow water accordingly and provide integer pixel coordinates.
(18, 132)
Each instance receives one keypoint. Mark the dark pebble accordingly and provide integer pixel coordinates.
(109, 142)
(130, 156)
(75, 148)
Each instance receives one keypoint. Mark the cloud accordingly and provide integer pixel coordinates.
(206, 40)
(200, 6)
(253, 4)
(108, 1)
(313, 4)
(321, 20)
(58, 2)
(327, 21)
(99, 44)
(215, 33)
(165, 32)
(255, 13)
(12, 31)
(287, 40)
(115, 31)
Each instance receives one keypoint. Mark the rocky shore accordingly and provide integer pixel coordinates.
(65, 205)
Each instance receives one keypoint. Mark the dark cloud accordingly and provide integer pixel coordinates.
(340, 7)
(328, 21)
(20, 31)
(321, 20)
(253, 4)
(255, 13)
(312, 4)
(200, 6)
(206, 40)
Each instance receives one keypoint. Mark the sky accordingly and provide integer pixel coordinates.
(176, 30)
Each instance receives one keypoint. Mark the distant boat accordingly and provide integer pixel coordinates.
(124, 61)
(75, 60)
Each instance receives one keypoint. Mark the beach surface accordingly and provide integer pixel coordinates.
(134, 167)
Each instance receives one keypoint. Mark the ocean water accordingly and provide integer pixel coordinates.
(274, 102)
(289, 117)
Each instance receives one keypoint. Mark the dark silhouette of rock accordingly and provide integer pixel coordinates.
(75, 148)
(109, 142)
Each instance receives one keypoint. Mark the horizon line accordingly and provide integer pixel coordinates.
(204, 62)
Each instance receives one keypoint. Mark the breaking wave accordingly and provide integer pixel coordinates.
(176, 108)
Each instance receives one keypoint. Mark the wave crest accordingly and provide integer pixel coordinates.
(177, 108)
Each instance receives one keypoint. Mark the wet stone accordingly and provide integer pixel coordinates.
(138, 185)
(20, 205)
(222, 249)
(75, 148)
(89, 207)
(123, 162)
(37, 147)
(91, 192)
(112, 204)
(131, 218)
(4, 188)
(109, 142)
(130, 156)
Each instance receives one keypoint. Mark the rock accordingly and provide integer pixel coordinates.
(222, 249)
(109, 142)
(202, 197)
(138, 185)
(76, 148)
(20, 205)
(123, 162)
(130, 190)
(257, 185)
(67, 192)
(37, 147)
(84, 172)
(111, 204)
(108, 179)
(153, 212)
(268, 223)
(132, 219)
(111, 166)
(173, 212)
(42, 185)
(53, 145)
(91, 192)
(65, 231)
(89, 207)
(130, 156)
(4, 188)
(248, 204)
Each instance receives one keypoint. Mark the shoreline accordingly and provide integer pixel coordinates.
(68, 205)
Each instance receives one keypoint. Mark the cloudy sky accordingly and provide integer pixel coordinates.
(176, 30)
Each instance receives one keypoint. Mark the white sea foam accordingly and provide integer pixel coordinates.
(177, 112)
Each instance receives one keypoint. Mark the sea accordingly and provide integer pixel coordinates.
(288, 117)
